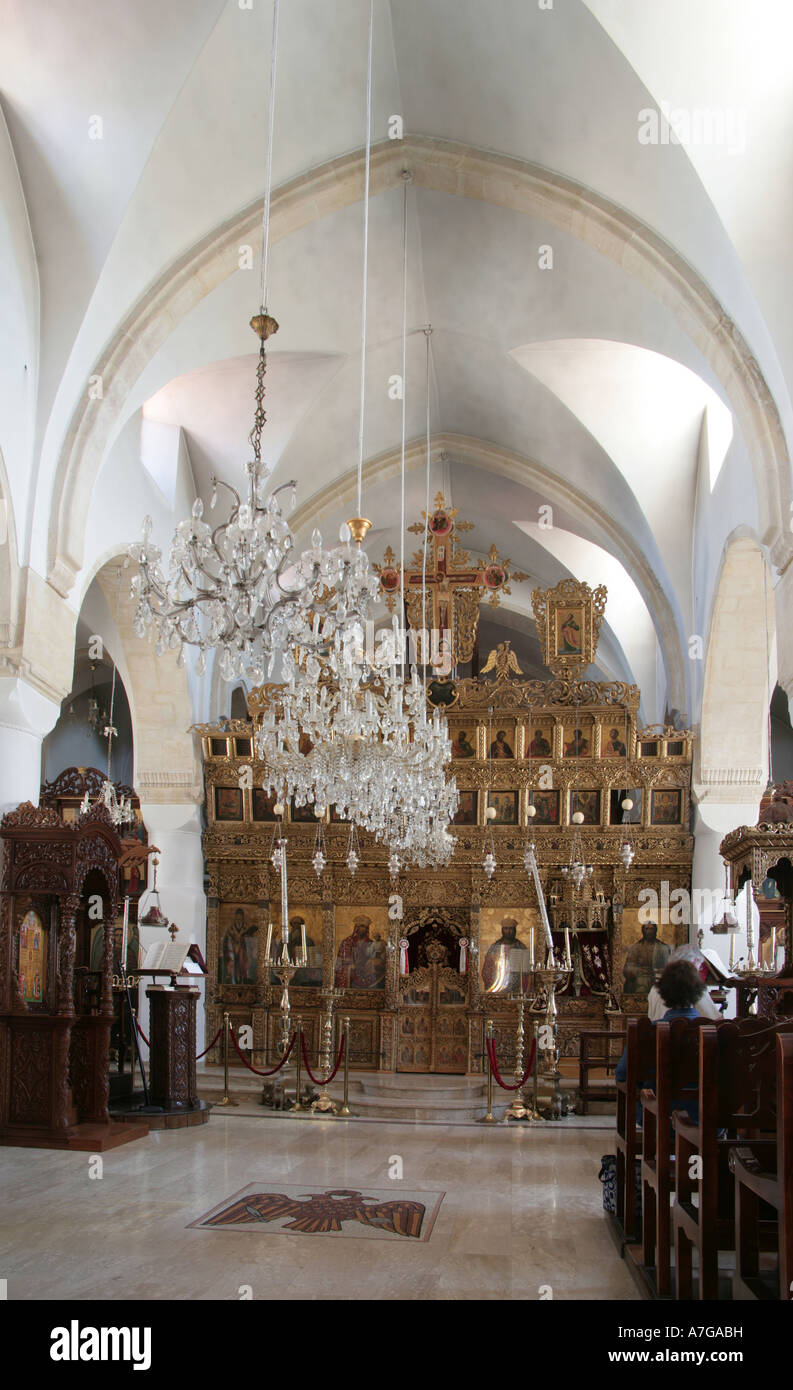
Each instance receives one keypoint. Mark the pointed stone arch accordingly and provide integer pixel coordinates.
(731, 762)
(461, 171)
(167, 767)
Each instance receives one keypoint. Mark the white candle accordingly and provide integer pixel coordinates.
(568, 957)
(124, 931)
(303, 943)
(531, 948)
(773, 949)
(269, 943)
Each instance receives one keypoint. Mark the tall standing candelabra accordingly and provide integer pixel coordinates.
(548, 979)
(520, 1107)
(282, 964)
(323, 1103)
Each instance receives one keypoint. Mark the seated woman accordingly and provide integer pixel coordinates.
(680, 988)
(705, 1007)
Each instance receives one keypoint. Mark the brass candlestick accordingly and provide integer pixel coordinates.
(298, 1105)
(324, 1104)
(284, 972)
(519, 1108)
(548, 978)
(345, 1109)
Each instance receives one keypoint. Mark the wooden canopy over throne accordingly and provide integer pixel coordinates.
(59, 881)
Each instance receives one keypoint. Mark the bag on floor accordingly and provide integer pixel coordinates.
(608, 1177)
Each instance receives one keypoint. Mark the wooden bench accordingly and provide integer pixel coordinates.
(676, 1083)
(596, 1053)
(736, 1094)
(766, 1175)
(640, 1059)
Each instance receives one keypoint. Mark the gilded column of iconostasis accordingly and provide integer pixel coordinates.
(537, 753)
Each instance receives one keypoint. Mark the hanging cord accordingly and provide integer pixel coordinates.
(268, 181)
(110, 727)
(767, 676)
(427, 335)
(365, 254)
(403, 624)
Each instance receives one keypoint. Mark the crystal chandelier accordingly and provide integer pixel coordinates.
(347, 730)
(233, 588)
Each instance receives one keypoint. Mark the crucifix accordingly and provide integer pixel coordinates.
(455, 586)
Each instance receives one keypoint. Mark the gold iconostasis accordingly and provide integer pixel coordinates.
(558, 746)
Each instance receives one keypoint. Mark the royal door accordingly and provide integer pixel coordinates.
(432, 1024)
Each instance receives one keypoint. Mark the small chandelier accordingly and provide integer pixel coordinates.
(489, 862)
(576, 870)
(118, 807)
(627, 853)
(154, 915)
(319, 858)
(353, 858)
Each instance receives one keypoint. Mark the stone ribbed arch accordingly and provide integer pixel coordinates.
(731, 763)
(461, 171)
(559, 492)
(167, 769)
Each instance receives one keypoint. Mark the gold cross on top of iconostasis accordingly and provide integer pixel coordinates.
(456, 585)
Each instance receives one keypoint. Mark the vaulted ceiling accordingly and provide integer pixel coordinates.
(576, 379)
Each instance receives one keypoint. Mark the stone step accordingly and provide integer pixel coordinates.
(392, 1107)
(425, 1088)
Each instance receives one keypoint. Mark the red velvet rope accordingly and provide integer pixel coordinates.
(312, 1077)
(210, 1045)
(491, 1053)
(200, 1054)
(244, 1059)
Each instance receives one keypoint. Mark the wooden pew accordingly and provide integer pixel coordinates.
(737, 1092)
(677, 1077)
(763, 1176)
(640, 1047)
(596, 1053)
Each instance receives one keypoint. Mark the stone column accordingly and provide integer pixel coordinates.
(26, 715)
(176, 830)
(712, 822)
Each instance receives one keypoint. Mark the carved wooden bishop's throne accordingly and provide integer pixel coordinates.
(59, 882)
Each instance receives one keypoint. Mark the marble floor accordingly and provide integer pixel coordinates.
(521, 1214)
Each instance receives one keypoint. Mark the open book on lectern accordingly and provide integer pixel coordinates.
(166, 956)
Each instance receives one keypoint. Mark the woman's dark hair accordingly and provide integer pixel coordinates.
(680, 986)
